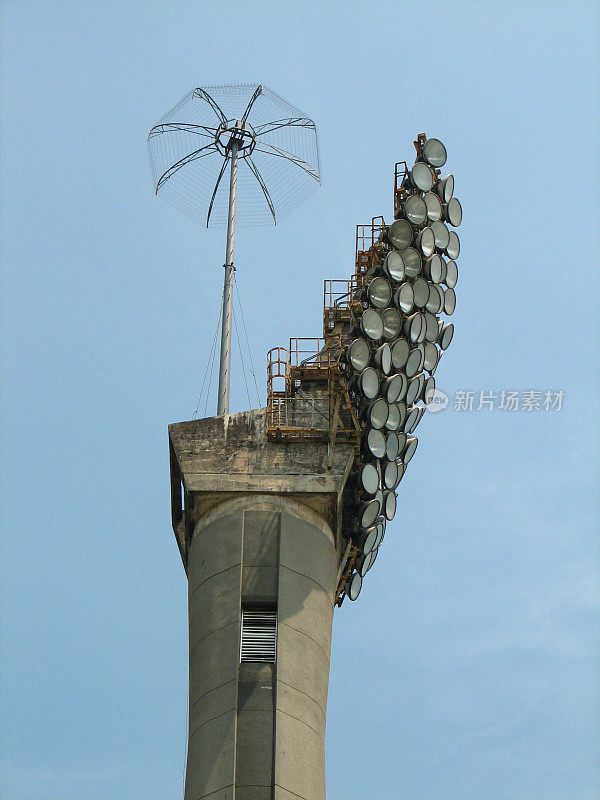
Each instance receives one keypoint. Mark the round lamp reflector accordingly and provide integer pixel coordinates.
(353, 586)
(392, 323)
(371, 324)
(413, 326)
(393, 264)
(414, 363)
(421, 176)
(359, 354)
(445, 188)
(453, 212)
(369, 383)
(400, 351)
(433, 267)
(376, 443)
(380, 533)
(392, 446)
(401, 471)
(434, 206)
(440, 232)
(379, 292)
(395, 388)
(369, 479)
(415, 387)
(412, 262)
(389, 504)
(383, 358)
(405, 298)
(426, 242)
(414, 209)
(451, 274)
(449, 301)
(368, 513)
(411, 446)
(400, 234)
(378, 413)
(431, 357)
(431, 326)
(390, 475)
(453, 246)
(446, 335)
(368, 562)
(434, 153)
(421, 292)
(393, 420)
(429, 390)
(370, 539)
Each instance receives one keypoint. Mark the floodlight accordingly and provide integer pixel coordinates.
(435, 300)
(429, 390)
(393, 420)
(413, 326)
(453, 212)
(421, 292)
(378, 413)
(369, 538)
(392, 323)
(412, 262)
(434, 153)
(453, 246)
(449, 301)
(433, 266)
(379, 292)
(376, 443)
(415, 387)
(413, 419)
(434, 206)
(421, 176)
(390, 475)
(389, 505)
(442, 237)
(369, 479)
(400, 351)
(405, 298)
(368, 382)
(383, 358)
(411, 446)
(368, 513)
(392, 446)
(395, 388)
(367, 562)
(414, 209)
(401, 471)
(431, 326)
(371, 324)
(393, 264)
(400, 234)
(445, 188)
(358, 354)
(380, 532)
(415, 361)
(446, 334)
(431, 357)
(421, 336)
(451, 274)
(425, 241)
(353, 586)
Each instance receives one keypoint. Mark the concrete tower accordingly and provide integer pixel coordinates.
(258, 525)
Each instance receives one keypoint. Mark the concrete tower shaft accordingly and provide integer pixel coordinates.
(260, 527)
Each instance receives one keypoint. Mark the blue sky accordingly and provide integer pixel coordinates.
(468, 669)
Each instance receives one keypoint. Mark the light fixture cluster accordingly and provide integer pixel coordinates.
(395, 344)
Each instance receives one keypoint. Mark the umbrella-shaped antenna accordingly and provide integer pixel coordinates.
(190, 148)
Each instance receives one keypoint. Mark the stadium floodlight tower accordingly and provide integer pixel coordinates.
(272, 151)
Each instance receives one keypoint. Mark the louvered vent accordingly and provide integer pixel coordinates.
(259, 635)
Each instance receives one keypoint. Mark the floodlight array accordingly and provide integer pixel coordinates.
(395, 344)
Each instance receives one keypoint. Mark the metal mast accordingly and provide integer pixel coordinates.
(225, 360)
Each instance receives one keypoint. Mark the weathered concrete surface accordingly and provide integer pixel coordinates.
(261, 524)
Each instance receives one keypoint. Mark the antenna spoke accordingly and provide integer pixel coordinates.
(215, 107)
(297, 122)
(276, 151)
(258, 177)
(170, 127)
(214, 194)
(203, 151)
(257, 93)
